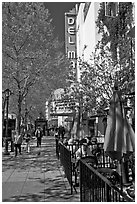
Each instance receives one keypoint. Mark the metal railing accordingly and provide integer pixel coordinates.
(104, 161)
(76, 146)
(66, 154)
(94, 187)
(65, 159)
(57, 148)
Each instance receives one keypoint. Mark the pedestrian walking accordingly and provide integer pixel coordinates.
(27, 138)
(38, 135)
(17, 143)
(61, 132)
(56, 134)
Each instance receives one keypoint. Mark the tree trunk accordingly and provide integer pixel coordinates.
(19, 114)
(72, 124)
(78, 124)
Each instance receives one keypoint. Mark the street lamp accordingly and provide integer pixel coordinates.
(7, 93)
(3, 113)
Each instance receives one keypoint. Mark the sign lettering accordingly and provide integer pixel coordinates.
(71, 21)
(71, 55)
(70, 38)
(71, 30)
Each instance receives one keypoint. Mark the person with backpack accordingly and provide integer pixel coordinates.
(38, 135)
(17, 143)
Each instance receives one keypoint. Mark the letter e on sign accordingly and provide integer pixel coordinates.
(71, 30)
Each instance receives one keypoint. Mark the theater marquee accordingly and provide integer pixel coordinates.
(70, 38)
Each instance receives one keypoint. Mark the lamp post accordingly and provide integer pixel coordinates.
(3, 113)
(7, 94)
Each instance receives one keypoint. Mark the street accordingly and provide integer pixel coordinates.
(35, 178)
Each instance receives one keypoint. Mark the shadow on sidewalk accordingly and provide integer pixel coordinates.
(46, 172)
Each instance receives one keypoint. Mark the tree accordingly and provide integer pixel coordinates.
(31, 54)
(122, 46)
(113, 59)
(40, 93)
(97, 80)
(122, 23)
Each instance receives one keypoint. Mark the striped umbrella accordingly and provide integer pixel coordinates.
(119, 136)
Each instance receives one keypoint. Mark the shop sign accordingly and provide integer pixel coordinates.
(70, 38)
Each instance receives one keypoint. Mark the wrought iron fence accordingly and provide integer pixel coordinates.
(77, 145)
(65, 158)
(57, 148)
(103, 161)
(94, 187)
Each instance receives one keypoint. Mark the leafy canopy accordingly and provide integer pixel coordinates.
(32, 56)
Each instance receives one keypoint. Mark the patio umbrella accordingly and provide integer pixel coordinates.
(119, 136)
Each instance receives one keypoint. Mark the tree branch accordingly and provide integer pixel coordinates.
(23, 44)
(10, 56)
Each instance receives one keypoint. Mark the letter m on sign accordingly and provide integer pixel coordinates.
(71, 55)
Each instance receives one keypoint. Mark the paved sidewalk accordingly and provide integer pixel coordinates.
(35, 178)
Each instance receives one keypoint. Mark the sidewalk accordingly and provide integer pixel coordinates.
(35, 178)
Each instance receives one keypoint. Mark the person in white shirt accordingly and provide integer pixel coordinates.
(72, 146)
(83, 151)
(17, 142)
(27, 138)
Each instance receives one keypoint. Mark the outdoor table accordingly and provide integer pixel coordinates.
(111, 175)
(106, 171)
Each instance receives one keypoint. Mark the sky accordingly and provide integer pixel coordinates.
(57, 11)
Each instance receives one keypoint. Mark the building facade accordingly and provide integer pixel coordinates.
(81, 38)
(60, 110)
(81, 34)
(87, 31)
(87, 37)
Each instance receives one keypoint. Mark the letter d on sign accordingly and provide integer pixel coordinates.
(71, 21)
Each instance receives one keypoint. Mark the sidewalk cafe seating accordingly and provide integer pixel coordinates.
(103, 165)
(91, 160)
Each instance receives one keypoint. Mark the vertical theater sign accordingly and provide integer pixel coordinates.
(70, 38)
